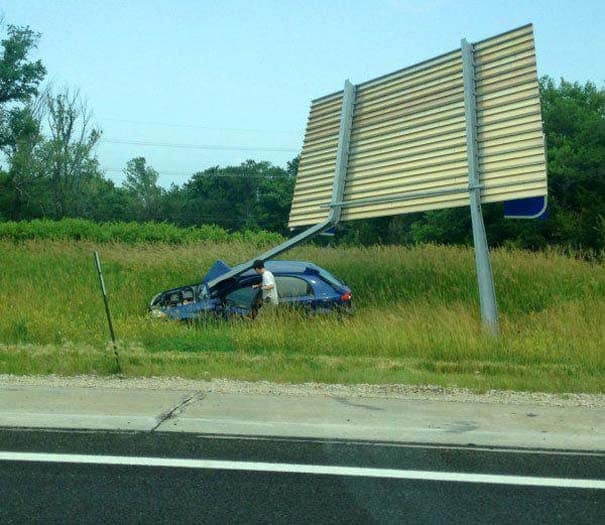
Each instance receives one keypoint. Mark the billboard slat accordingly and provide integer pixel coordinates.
(505, 61)
(521, 75)
(503, 129)
(512, 193)
(503, 116)
(404, 93)
(505, 38)
(311, 143)
(520, 44)
(328, 133)
(427, 80)
(412, 206)
(411, 132)
(428, 104)
(319, 155)
(430, 119)
(389, 175)
(489, 149)
(326, 107)
(385, 191)
(441, 161)
(436, 64)
(407, 145)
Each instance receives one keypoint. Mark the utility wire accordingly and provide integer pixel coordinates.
(159, 172)
(199, 146)
(194, 172)
(194, 126)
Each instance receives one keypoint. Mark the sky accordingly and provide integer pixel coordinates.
(190, 84)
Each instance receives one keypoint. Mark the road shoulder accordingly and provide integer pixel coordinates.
(391, 413)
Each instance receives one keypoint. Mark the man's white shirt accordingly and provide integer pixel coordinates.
(269, 279)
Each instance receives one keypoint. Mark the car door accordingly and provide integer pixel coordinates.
(294, 291)
(242, 302)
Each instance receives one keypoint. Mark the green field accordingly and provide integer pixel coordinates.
(416, 319)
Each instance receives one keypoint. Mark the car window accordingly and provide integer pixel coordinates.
(188, 295)
(174, 298)
(242, 297)
(292, 287)
(329, 278)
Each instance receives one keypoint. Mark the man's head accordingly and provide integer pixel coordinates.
(259, 266)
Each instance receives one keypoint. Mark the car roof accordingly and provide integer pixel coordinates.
(285, 267)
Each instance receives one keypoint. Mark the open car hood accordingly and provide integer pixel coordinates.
(218, 268)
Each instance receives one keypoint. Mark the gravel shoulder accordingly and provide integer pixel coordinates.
(393, 391)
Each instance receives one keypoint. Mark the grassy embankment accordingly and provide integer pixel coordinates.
(416, 320)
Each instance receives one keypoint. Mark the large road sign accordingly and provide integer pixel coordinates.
(405, 146)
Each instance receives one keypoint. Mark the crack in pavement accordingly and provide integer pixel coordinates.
(349, 403)
(173, 412)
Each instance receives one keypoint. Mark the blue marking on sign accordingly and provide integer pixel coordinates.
(529, 208)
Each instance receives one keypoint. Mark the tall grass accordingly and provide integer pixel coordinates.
(416, 320)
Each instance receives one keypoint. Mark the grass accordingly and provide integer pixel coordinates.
(416, 320)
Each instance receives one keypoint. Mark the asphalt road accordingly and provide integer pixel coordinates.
(140, 477)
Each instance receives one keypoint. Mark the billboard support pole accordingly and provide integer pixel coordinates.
(342, 153)
(485, 277)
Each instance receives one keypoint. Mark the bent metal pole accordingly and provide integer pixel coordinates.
(485, 277)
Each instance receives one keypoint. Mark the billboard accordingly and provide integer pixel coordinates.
(406, 148)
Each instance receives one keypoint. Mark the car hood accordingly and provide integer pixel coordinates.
(218, 268)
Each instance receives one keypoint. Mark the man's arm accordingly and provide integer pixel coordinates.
(264, 286)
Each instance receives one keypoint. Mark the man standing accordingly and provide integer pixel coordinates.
(268, 284)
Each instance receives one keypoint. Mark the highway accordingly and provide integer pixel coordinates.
(99, 476)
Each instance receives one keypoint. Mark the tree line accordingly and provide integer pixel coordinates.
(50, 170)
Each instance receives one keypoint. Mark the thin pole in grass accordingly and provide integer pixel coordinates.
(105, 300)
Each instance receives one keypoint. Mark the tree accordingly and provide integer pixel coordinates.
(275, 193)
(142, 185)
(66, 159)
(249, 196)
(57, 176)
(574, 121)
(19, 81)
(292, 166)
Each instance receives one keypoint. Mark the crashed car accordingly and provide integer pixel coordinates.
(299, 284)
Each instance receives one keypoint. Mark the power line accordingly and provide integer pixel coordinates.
(199, 146)
(171, 173)
(193, 172)
(195, 126)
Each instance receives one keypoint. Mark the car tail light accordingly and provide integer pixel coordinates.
(345, 297)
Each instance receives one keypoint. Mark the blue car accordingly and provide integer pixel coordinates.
(302, 285)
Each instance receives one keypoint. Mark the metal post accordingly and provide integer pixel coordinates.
(485, 277)
(107, 312)
(342, 153)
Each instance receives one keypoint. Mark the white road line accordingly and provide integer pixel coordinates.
(304, 469)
